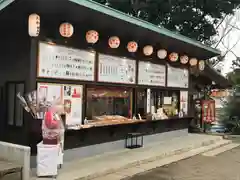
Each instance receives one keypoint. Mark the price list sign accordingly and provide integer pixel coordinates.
(116, 70)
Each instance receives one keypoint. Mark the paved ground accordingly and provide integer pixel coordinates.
(15, 176)
(224, 166)
(103, 164)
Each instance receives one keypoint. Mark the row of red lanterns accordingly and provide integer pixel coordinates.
(66, 30)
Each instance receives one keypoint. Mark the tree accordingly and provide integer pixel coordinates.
(231, 113)
(196, 19)
(226, 28)
(227, 39)
(234, 77)
(236, 63)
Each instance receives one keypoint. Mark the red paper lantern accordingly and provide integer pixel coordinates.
(66, 29)
(92, 36)
(132, 46)
(173, 57)
(114, 42)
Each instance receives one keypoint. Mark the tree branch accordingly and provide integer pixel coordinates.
(230, 50)
(223, 19)
(223, 37)
(225, 30)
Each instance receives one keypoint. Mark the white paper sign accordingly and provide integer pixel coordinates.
(72, 100)
(116, 70)
(167, 100)
(184, 101)
(65, 63)
(148, 100)
(177, 77)
(151, 74)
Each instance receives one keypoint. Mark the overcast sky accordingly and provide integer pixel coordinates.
(230, 41)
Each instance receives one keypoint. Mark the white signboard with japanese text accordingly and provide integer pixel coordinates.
(60, 62)
(151, 74)
(177, 77)
(116, 70)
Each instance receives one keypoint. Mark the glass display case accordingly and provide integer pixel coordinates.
(108, 104)
(167, 101)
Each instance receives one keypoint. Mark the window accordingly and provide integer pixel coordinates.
(171, 102)
(156, 101)
(141, 107)
(14, 108)
(108, 101)
(168, 100)
(11, 102)
(157, 97)
(18, 108)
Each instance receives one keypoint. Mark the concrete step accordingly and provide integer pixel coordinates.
(213, 146)
(221, 149)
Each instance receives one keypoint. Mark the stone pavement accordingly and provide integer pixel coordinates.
(110, 163)
(223, 166)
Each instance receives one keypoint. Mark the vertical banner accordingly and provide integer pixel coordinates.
(148, 100)
(184, 101)
(208, 111)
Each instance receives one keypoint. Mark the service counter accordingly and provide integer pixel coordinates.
(113, 132)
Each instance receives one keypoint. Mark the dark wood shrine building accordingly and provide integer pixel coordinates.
(129, 75)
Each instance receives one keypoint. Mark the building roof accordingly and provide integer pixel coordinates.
(5, 3)
(144, 24)
(217, 77)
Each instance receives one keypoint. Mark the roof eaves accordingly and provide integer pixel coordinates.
(222, 80)
(5, 3)
(133, 20)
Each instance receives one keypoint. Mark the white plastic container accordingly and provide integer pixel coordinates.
(47, 160)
